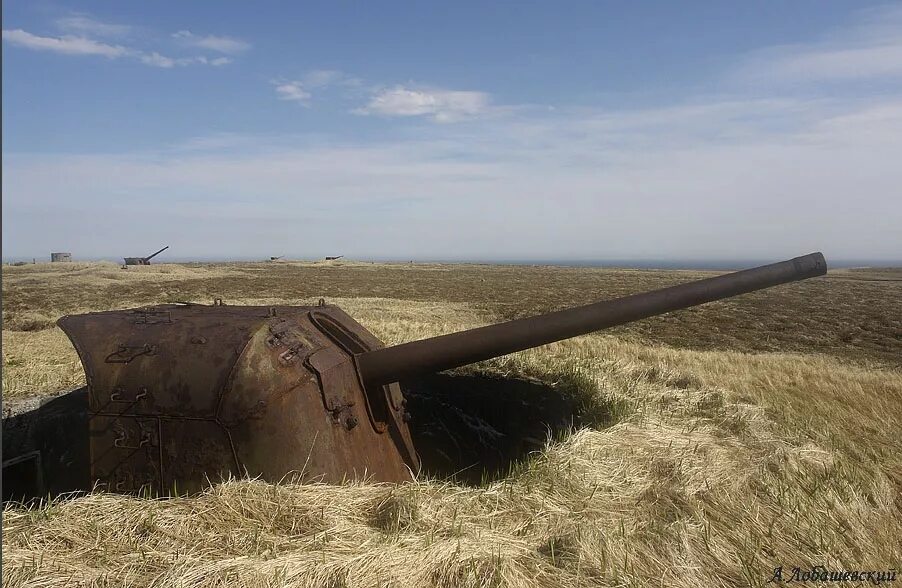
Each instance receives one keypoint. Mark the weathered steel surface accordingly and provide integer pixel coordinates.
(179, 394)
(448, 351)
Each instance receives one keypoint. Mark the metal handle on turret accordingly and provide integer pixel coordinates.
(391, 364)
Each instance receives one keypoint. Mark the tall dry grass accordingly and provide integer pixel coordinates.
(714, 468)
(39, 363)
(854, 315)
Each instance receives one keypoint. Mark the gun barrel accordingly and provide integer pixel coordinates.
(391, 364)
(152, 255)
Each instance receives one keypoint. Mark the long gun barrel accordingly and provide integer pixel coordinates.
(151, 256)
(392, 364)
(213, 391)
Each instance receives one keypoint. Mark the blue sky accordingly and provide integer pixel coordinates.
(519, 130)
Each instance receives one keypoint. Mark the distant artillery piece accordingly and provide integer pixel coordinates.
(334, 257)
(276, 258)
(144, 260)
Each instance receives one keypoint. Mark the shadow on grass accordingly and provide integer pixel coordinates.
(45, 449)
(470, 429)
(475, 429)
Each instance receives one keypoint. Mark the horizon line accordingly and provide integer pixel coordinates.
(625, 262)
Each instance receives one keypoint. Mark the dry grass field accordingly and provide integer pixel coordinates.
(747, 434)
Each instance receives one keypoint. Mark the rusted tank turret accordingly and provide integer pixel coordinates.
(182, 394)
(144, 260)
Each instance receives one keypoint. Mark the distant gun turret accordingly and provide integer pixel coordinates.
(333, 257)
(144, 260)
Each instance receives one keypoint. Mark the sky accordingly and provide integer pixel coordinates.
(453, 130)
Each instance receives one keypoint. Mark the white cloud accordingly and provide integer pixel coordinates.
(319, 78)
(840, 64)
(589, 182)
(322, 78)
(301, 90)
(72, 45)
(87, 25)
(69, 45)
(292, 90)
(157, 60)
(222, 44)
(440, 105)
(871, 49)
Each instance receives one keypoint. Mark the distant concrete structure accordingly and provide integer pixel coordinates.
(60, 256)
